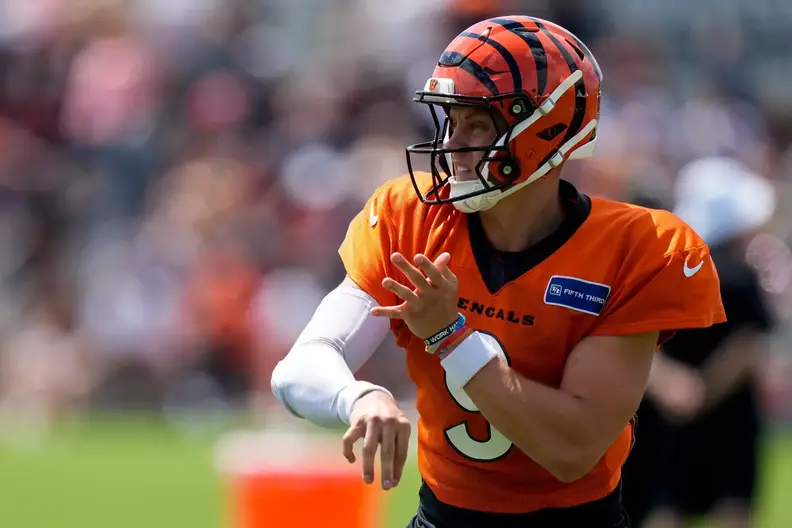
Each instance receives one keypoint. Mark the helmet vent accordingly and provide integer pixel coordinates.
(577, 50)
(551, 132)
(526, 30)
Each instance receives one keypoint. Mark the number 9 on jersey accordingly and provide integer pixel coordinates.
(494, 448)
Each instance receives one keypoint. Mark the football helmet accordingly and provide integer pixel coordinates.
(539, 78)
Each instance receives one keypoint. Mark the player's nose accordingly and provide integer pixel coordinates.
(456, 139)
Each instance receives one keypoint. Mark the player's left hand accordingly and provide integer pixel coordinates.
(431, 304)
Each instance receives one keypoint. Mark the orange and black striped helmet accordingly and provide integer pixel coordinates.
(541, 80)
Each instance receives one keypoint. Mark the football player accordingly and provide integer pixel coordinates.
(529, 312)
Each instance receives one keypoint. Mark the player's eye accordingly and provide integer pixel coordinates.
(481, 127)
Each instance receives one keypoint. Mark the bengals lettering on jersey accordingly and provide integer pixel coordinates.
(610, 269)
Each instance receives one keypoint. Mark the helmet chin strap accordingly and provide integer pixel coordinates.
(487, 200)
(484, 201)
(474, 204)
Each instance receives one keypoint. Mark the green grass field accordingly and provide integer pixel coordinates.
(132, 474)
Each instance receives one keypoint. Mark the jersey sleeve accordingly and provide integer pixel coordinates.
(367, 246)
(679, 290)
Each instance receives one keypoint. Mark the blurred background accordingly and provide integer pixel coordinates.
(176, 176)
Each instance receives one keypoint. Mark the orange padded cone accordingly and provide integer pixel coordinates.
(293, 480)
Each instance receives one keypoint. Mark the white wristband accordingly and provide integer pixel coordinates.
(470, 356)
(352, 393)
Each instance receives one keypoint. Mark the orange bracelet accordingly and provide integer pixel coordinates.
(441, 344)
(453, 341)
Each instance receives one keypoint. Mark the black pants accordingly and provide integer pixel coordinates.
(692, 467)
(603, 513)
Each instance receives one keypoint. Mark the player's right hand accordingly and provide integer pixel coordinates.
(377, 419)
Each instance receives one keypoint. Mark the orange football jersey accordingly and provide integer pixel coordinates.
(610, 269)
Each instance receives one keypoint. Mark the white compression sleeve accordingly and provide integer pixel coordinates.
(315, 381)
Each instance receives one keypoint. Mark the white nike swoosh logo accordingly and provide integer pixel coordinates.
(689, 272)
(372, 217)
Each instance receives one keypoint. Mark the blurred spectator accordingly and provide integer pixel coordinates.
(48, 367)
(698, 433)
(187, 168)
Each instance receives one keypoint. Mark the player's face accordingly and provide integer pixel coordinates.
(469, 127)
